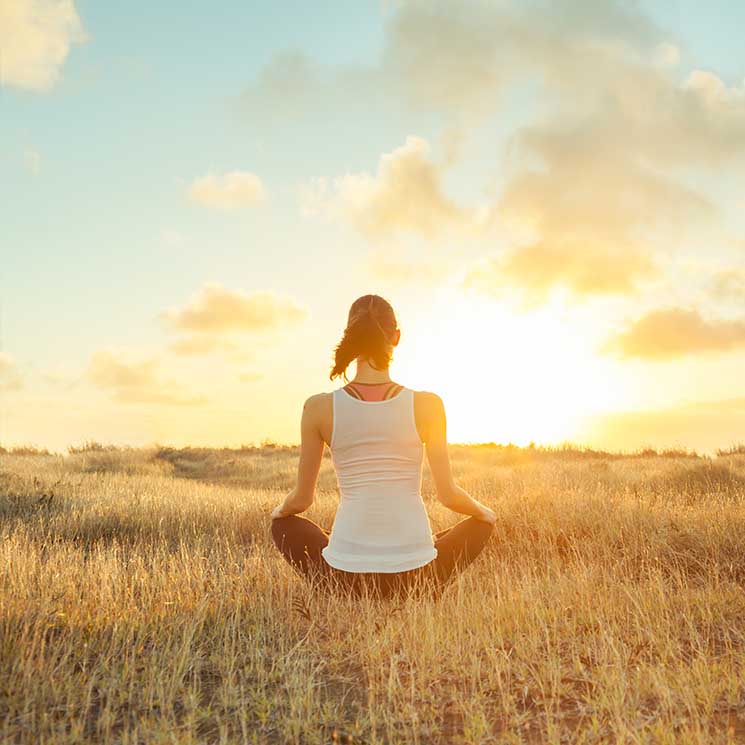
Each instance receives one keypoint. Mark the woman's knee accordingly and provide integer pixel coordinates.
(281, 526)
(296, 531)
(481, 527)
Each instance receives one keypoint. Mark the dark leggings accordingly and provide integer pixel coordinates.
(300, 540)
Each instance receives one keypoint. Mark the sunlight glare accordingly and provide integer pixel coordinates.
(504, 377)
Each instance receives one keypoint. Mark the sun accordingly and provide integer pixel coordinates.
(504, 376)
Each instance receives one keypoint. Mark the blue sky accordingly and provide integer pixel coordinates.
(99, 235)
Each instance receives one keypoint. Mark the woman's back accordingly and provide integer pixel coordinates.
(377, 439)
(381, 524)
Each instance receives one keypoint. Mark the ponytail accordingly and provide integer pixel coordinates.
(370, 327)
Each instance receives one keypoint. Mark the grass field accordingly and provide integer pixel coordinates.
(143, 602)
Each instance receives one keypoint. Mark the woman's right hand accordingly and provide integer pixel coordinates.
(488, 516)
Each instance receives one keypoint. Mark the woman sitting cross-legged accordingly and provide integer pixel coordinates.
(377, 431)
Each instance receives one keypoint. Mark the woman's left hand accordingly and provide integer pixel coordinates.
(277, 512)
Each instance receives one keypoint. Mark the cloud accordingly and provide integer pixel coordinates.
(136, 382)
(674, 332)
(605, 62)
(712, 89)
(597, 189)
(596, 185)
(10, 378)
(578, 266)
(599, 166)
(588, 57)
(35, 39)
(215, 309)
(447, 57)
(230, 191)
(405, 195)
(460, 59)
(594, 216)
(451, 58)
(729, 284)
(292, 87)
(667, 54)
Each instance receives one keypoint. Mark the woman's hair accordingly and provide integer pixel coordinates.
(369, 333)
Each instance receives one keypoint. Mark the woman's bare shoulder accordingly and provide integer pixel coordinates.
(429, 413)
(428, 399)
(317, 402)
(316, 397)
(318, 411)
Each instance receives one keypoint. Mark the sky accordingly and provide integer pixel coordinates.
(550, 194)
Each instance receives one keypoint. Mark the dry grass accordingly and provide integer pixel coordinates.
(142, 604)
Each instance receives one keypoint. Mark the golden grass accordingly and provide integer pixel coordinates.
(141, 604)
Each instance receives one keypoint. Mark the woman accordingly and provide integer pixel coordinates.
(377, 431)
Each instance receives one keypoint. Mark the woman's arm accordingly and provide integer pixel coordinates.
(311, 453)
(448, 492)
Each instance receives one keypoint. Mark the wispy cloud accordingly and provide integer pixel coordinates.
(534, 270)
(35, 39)
(729, 284)
(215, 317)
(132, 381)
(229, 191)
(214, 308)
(674, 332)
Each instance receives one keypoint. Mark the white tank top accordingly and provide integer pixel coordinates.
(381, 524)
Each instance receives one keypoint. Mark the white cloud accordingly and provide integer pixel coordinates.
(35, 39)
(405, 195)
(712, 89)
(230, 191)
